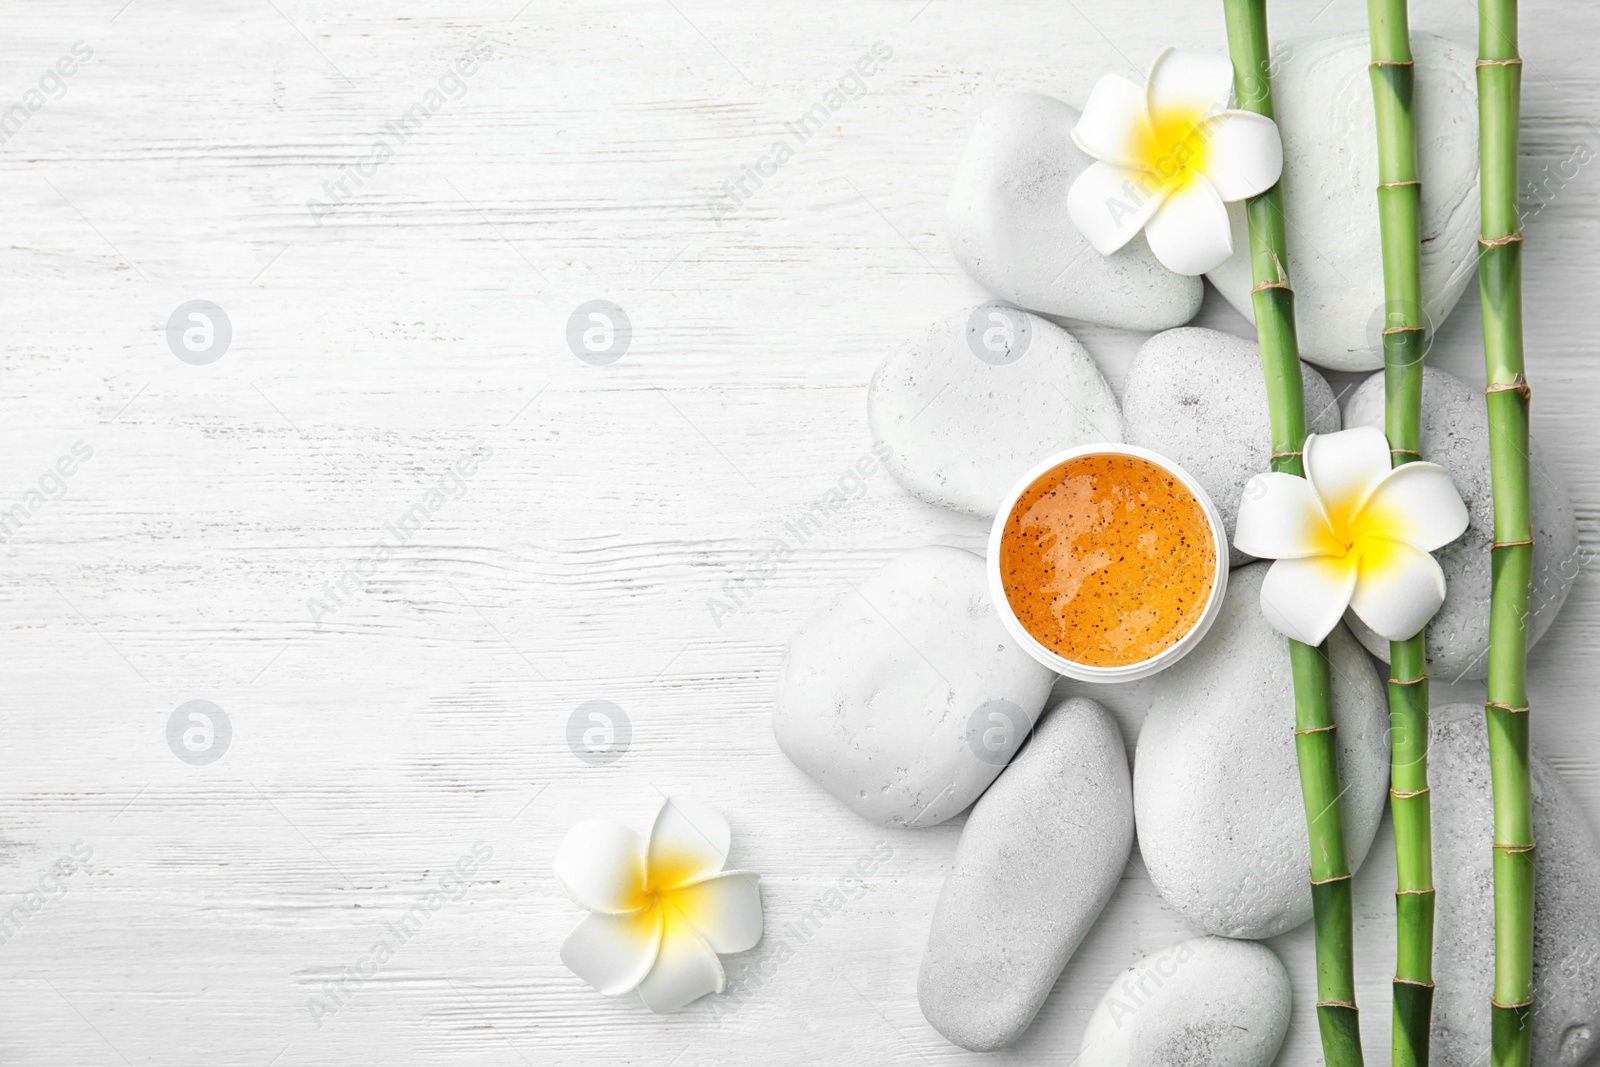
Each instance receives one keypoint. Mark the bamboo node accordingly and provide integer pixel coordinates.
(1407, 981)
(1510, 544)
(1336, 1004)
(1392, 63)
(1499, 62)
(1515, 850)
(1273, 285)
(1413, 892)
(1418, 680)
(1512, 708)
(1286, 455)
(1404, 329)
(1500, 242)
(1330, 881)
(1398, 795)
(1318, 729)
(1519, 384)
(1398, 185)
(1523, 1004)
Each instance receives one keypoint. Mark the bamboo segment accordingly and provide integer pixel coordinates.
(1273, 300)
(1413, 834)
(1404, 337)
(1500, 284)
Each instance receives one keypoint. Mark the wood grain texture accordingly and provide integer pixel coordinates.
(373, 745)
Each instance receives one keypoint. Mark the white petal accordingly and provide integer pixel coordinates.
(1398, 588)
(601, 866)
(1111, 204)
(1189, 82)
(1114, 125)
(1417, 504)
(1305, 598)
(688, 841)
(613, 953)
(1279, 518)
(725, 909)
(1190, 233)
(1243, 154)
(1344, 468)
(686, 969)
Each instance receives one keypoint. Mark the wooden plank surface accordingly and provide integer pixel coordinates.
(399, 301)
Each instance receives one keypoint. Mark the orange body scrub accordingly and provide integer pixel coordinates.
(1107, 560)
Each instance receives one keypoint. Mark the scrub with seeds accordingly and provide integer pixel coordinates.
(1108, 560)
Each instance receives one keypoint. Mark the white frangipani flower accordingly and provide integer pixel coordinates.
(661, 909)
(1353, 533)
(1170, 153)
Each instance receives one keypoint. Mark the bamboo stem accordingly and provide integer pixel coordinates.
(1500, 284)
(1318, 753)
(1404, 339)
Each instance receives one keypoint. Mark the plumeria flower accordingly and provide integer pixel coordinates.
(1353, 533)
(661, 910)
(1169, 154)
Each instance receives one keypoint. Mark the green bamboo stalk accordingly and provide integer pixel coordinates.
(1500, 284)
(1404, 336)
(1273, 301)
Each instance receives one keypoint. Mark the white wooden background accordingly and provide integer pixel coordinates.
(373, 747)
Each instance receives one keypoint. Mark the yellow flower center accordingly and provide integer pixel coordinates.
(1175, 149)
(1369, 538)
(663, 878)
(670, 871)
(665, 892)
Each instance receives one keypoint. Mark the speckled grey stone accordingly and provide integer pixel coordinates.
(1216, 785)
(1039, 858)
(1322, 93)
(1206, 1002)
(961, 430)
(1566, 943)
(1455, 435)
(1008, 223)
(879, 694)
(1198, 397)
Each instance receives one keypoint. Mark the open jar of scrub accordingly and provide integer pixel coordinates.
(1108, 562)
